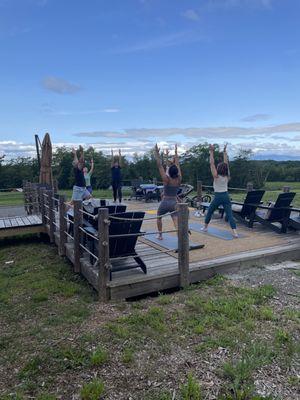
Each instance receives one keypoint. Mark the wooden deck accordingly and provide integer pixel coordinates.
(257, 247)
(163, 271)
(14, 226)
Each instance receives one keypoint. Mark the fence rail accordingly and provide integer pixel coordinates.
(71, 237)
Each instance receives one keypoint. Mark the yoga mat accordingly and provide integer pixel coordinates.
(212, 231)
(170, 242)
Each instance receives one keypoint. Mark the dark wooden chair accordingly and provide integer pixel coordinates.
(121, 246)
(245, 212)
(112, 209)
(277, 213)
(294, 221)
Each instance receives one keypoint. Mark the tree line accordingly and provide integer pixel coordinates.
(194, 164)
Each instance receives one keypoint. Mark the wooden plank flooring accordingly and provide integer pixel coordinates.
(13, 226)
(162, 267)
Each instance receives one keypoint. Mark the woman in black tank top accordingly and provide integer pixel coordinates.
(171, 181)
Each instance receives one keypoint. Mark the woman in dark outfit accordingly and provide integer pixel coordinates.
(171, 180)
(116, 176)
(79, 189)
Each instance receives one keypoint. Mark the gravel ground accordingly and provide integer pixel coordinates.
(285, 277)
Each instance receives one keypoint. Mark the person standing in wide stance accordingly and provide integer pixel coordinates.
(80, 191)
(116, 176)
(221, 177)
(171, 181)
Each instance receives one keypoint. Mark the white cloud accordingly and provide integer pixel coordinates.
(281, 139)
(171, 40)
(140, 145)
(210, 133)
(191, 15)
(256, 117)
(49, 109)
(240, 3)
(111, 110)
(60, 86)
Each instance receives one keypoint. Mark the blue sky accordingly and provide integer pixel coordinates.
(127, 73)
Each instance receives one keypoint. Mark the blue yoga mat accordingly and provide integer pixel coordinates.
(170, 242)
(212, 231)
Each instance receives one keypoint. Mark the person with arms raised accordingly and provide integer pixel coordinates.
(221, 175)
(171, 181)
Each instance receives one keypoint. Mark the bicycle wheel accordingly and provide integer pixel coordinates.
(206, 198)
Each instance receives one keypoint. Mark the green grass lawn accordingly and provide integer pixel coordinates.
(57, 341)
(16, 198)
(273, 189)
(98, 193)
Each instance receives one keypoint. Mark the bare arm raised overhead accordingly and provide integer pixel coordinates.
(120, 158)
(162, 172)
(225, 158)
(176, 162)
(112, 158)
(75, 158)
(92, 167)
(212, 161)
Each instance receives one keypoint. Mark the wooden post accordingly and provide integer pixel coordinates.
(77, 234)
(199, 191)
(51, 215)
(29, 198)
(286, 189)
(249, 187)
(25, 195)
(183, 244)
(103, 254)
(62, 225)
(35, 199)
(55, 186)
(42, 204)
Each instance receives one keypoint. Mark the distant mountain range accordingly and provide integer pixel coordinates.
(276, 157)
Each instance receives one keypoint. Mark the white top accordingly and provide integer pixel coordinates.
(221, 184)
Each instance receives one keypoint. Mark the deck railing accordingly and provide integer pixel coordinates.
(55, 218)
(71, 237)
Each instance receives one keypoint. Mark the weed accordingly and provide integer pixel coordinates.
(92, 390)
(164, 299)
(46, 396)
(127, 355)
(282, 337)
(99, 357)
(266, 313)
(191, 390)
(31, 369)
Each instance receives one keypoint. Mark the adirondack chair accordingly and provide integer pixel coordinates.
(121, 246)
(245, 212)
(112, 209)
(294, 221)
(279, 212)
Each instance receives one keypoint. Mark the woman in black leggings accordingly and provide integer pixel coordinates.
(116, 176)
